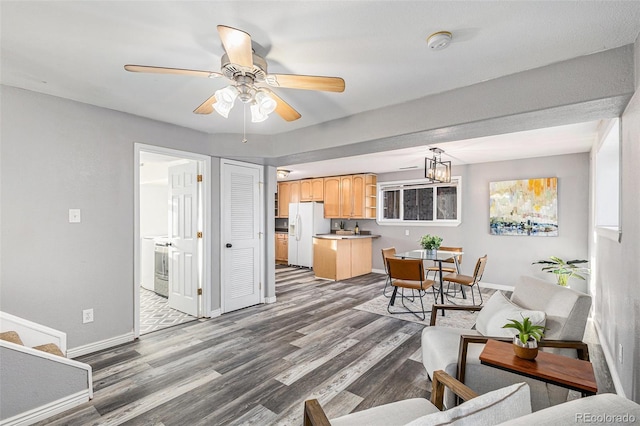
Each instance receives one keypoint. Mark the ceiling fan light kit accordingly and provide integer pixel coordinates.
(439, 40)
(224, 99)
(246, 69)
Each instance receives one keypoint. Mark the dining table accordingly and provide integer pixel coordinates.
(438, 256)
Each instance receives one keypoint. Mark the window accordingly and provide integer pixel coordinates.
(416, 202)
(607, 182)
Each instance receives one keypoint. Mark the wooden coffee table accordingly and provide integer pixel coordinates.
(574, 374)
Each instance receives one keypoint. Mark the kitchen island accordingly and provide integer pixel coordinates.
(338, 257)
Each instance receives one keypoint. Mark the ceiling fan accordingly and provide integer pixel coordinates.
(247, 71)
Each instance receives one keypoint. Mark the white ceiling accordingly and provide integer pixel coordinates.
(77, 50)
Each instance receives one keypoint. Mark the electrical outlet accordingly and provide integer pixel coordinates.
(620, 358)
(87, 316)
(335, 225)
(406, 232)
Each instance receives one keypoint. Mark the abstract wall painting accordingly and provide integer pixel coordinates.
(524, 207)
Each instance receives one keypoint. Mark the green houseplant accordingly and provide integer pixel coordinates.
(525, 343)
(430, 242)
(564, 269)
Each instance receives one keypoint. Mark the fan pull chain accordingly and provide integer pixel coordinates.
(244, 123)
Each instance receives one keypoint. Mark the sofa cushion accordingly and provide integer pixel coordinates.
(396, 413)
(498, 311)
(567, 310)
(489, 409)
(598, 409)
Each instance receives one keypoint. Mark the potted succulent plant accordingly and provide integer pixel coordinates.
(431, 243)
(525, 343)
(564, 269)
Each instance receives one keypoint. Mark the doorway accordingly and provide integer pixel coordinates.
(171, 211)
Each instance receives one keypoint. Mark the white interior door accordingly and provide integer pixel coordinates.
(183, 238)
(241, 235)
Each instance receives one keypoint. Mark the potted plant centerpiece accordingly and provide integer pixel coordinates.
(431, 243)
(564, 269)
(525, 343)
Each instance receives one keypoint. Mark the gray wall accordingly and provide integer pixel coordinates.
(617, 301)
(30, 382)
(59, 154)
(509, 257)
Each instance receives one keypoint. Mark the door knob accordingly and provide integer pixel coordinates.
(229, 245)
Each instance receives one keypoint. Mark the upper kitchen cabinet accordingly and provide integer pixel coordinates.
(332, 197)
(288, 192)
(350, 197)
(312, 189)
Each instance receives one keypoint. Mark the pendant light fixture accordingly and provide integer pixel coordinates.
(436, 170)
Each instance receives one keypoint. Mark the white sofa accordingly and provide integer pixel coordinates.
(565, 311)
(506, 406)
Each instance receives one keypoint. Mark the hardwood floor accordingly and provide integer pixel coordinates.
(258, 365)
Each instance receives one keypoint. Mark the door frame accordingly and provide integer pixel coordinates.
(205, 161)
(261, 214)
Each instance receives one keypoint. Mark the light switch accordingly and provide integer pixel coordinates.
(74, 215)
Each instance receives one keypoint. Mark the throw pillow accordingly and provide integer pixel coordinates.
(498, 311)
(488, 409)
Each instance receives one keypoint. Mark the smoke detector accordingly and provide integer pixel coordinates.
(439, 40)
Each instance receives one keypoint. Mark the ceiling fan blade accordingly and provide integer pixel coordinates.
(283, 109)
(237, 44)
(162, 70)
(207, 106)
(307, 82)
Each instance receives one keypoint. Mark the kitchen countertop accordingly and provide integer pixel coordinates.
(344, 237)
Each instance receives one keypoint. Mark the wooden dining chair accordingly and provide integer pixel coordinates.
(447, 269)
(408, 274)
(387, 253)
(469, 281)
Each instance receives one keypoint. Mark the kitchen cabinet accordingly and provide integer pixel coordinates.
(341, 258)
(288, 192)
(282, 247)
(312, 189)
(332, 197)
(350, 197)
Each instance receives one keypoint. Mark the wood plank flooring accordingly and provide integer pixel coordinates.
(256, 366)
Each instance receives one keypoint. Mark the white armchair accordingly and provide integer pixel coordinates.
(457, 350)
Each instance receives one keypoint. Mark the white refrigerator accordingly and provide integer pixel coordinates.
(305, 221)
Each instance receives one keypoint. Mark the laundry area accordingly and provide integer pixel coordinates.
(156, 311)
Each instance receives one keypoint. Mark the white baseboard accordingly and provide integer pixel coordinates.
(215, 313)
(271, 299)
(98, 346)
(45, 411)
(379, 271)
(611, 361)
